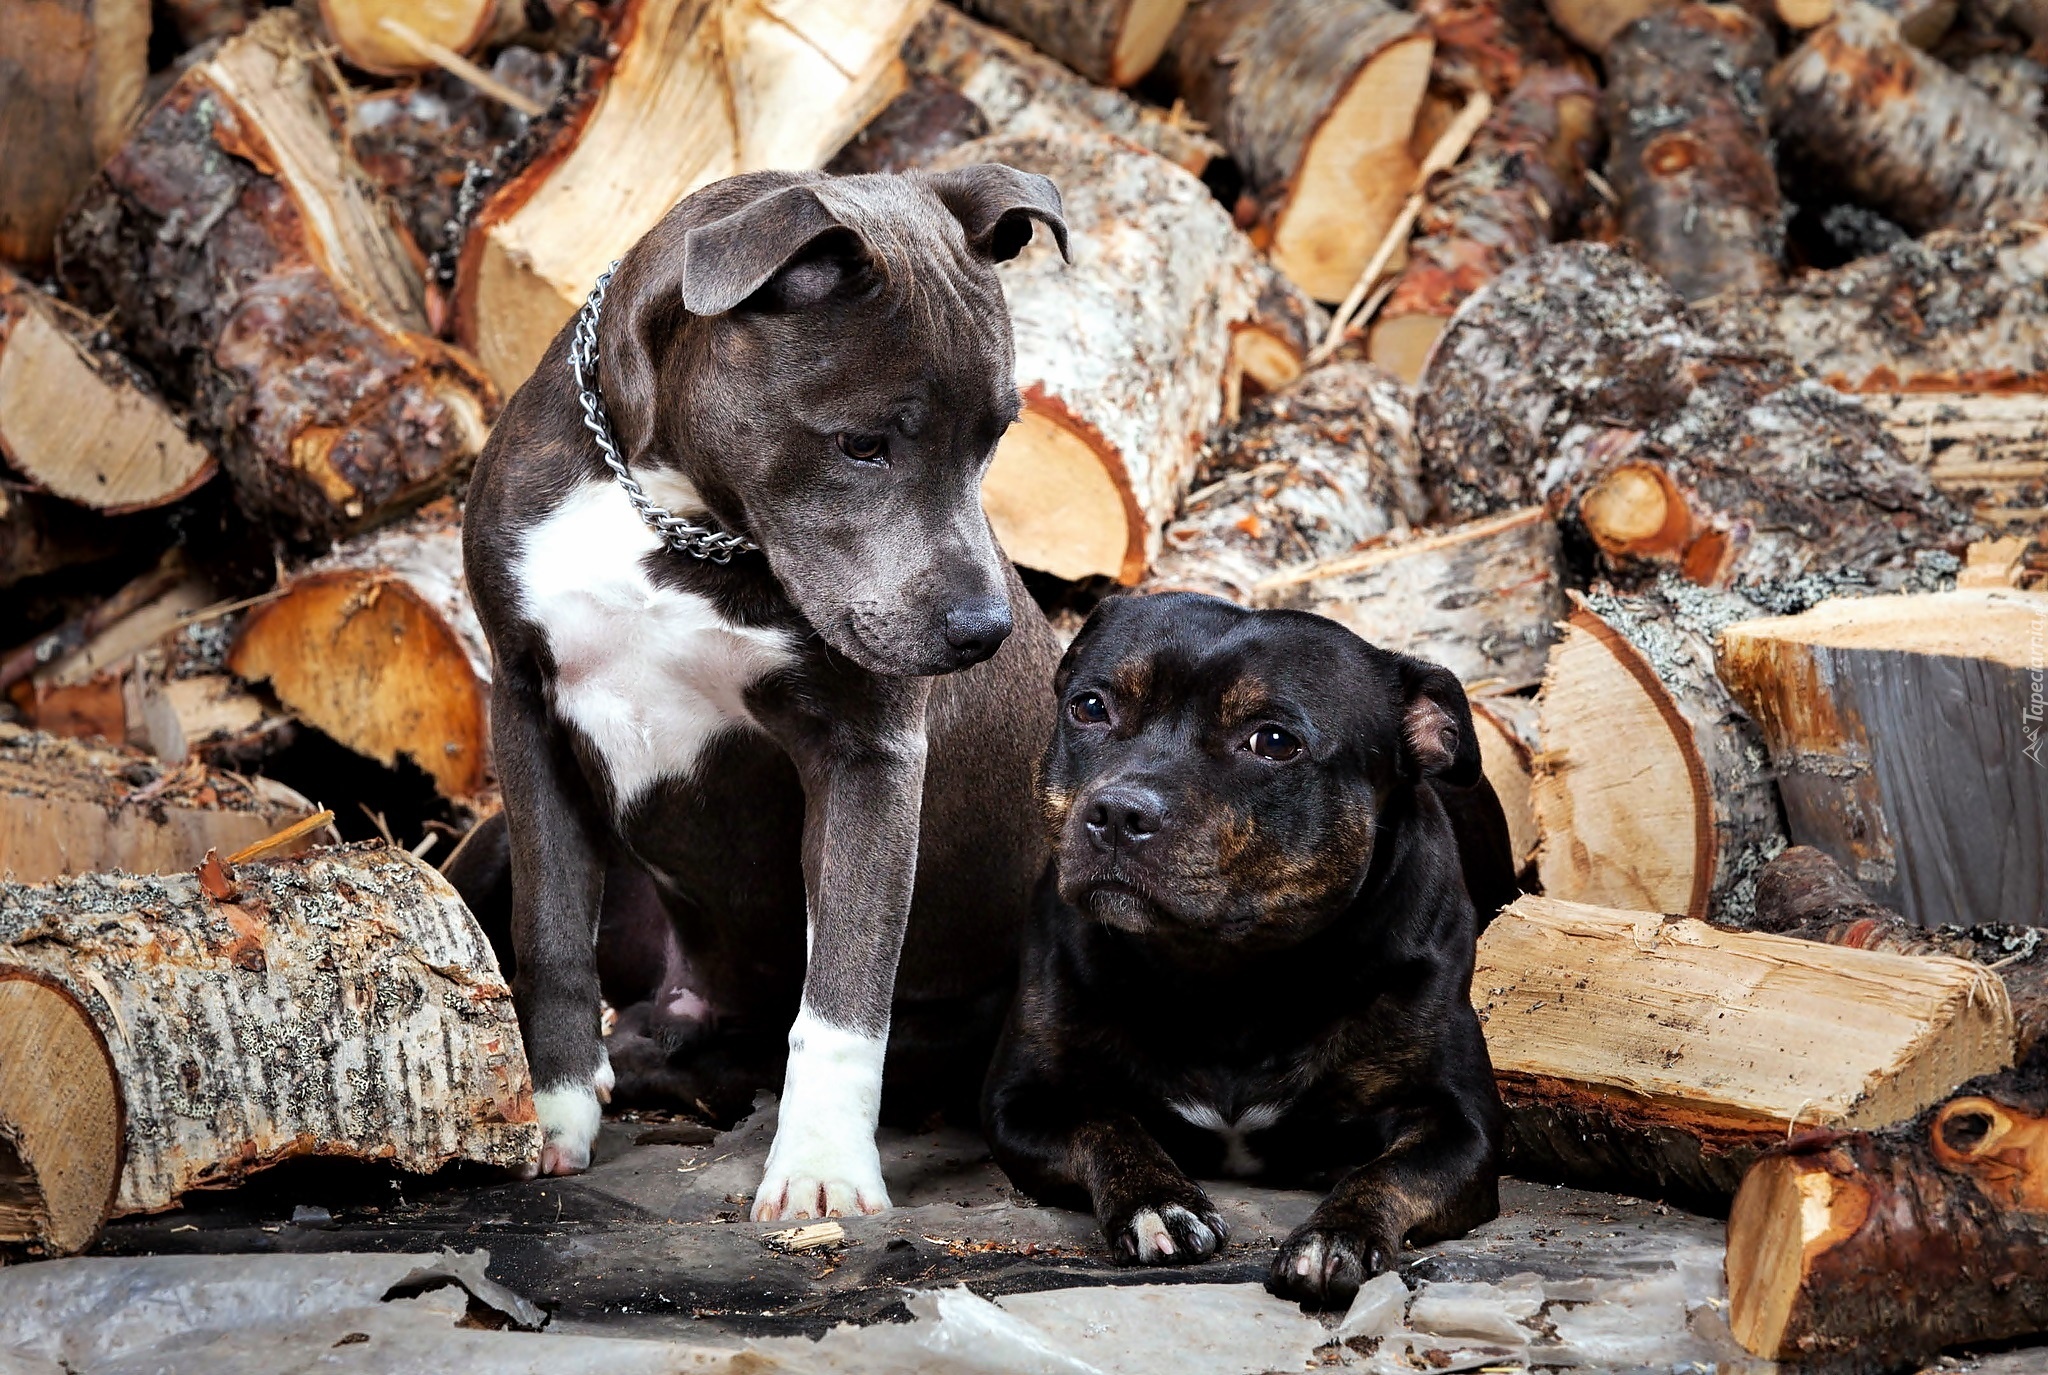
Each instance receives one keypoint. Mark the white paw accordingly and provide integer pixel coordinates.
(604, 1081)
(569, 1118)
(824, 1162)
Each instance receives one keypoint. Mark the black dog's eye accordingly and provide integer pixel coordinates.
(864, 448)
(1271, 742)
(1089, 709)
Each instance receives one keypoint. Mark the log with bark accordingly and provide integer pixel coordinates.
(755, 88)
(1651, 790)
(1873, 1250)
(1691, 157)
(1953, 312)
(67, 807)
(1909, 740)
(1593, 24)
(399, 37)
(1509, 738)
(78, 420)
(1316, 100)
(1513, 192)
(1312, 472)
(1803, 893)
(1663, 1056)
(1579, 379)
(1482, 598)
(1013, 89)
(241, 260)
(1490, 46)
(1859, 112)
(71, 79)
(1173, 302)
(378, 645)
(161, 1035)
(1114, 42)
(1988, 454)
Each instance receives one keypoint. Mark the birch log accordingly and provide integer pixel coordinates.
(1578, 379)
(1859, 111)
(72, 808)
(1511, 194)
(1663, 1056)
(1113, 42)
(1652, 790)
(1910, 740)
(1953, 312)
(71, 78)
(1509, 737)
(160, 1035)
(241, 260)
(378, 645)
(1482, 599)
(1988, 454)
(1316, 100)
(1878, 1249)
(1311, 473)
(755, 88)
(1126, 357)
(1691, 157)
(80, 421)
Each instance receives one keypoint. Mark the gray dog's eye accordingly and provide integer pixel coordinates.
(1271, 742)
(1089, 709)
(864, 448)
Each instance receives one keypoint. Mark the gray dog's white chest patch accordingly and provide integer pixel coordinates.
(649, 674)
(1237, 1159)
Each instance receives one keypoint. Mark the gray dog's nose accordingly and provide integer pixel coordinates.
(1124, 817)
(977, 628)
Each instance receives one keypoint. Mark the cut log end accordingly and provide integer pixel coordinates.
(1401, 343)
(1055, 506)
(1788, 1209)
(1147, 26)
(60, 1118)
(359, 29)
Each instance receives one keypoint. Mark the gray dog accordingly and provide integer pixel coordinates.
(724, 661)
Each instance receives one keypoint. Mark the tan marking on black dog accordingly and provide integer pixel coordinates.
(1132, 680)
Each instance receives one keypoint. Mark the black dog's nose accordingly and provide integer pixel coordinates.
(977, 628)
(1124, 817)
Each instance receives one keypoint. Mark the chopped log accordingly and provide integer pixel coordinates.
(1987, 454)
(1691, 157)
(1311, 473)
(1908, 738)
(1875, 1250)
(81, 422)
(756, 89)
(1507, 727)
(378, 645)
(1114, 42)
(1316, 100)
(39, 534)
(71, 808)
(340, 1004)
(1859, 111)
(1921, 22)
(1511, 194)
(1592, 24)
(1953, 312)
(1579, 379)
(1018, 90)
(1663, 1056)
(380, 36)
(1483, 599)
(71, 78)
(1805, 894)
(1173, 301)
(1651, 790)
(1491, 45)
(274, 302)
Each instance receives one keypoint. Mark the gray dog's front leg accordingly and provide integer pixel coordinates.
(860, 863)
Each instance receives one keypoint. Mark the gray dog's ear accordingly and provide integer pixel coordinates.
(996, 205)
(728, 260)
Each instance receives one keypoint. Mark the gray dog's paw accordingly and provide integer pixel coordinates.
(1323, 1267)
(1169, 1233)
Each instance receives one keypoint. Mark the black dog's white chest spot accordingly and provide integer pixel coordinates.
(1237, 1158)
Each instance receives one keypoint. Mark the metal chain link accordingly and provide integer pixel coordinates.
(695, 538)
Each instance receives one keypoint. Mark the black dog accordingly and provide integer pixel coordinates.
(1253, 951)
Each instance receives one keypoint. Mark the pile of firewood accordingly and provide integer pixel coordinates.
(1676, 374)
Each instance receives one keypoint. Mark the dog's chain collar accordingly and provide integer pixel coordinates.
(698, 539)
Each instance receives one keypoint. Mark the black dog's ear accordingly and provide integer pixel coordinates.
(1436, 724)
(996, 205)
(790, 231)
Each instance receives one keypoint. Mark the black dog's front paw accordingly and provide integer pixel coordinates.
(1167, 1231)
(1321, 1266)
